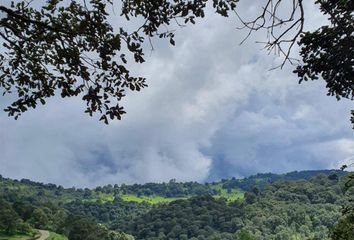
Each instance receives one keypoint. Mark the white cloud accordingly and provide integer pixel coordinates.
(212, 109)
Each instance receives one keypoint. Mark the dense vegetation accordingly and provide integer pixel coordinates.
(297, 205)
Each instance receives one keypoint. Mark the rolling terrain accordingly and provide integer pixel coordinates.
(296, 205)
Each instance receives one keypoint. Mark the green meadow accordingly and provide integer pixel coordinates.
(149, 199)
(230, 195)
(55, 236)
(15, 237)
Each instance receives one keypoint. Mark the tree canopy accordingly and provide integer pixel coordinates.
(71, 48)
(328, 52)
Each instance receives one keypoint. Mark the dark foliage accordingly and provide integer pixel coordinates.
(170, 189)
(328, 52)
(72, 48)
(261, 180)
(184, 219)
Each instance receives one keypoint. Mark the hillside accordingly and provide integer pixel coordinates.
(296, 205)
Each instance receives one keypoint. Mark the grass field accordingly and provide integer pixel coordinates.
(14, 237)
(150, 199)
(55, 236)
(234, 195)
(100, 197)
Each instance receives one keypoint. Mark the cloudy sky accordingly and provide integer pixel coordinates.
(212, 110)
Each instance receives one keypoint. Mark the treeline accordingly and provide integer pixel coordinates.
(344, 228)
(195, 218)
(11, 223)
(24, 218)
(170, 189)
(263, 179)
(116, 212)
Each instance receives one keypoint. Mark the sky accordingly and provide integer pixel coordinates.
(213, 109)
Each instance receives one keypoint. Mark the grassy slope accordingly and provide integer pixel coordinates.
(55, 236)
(156, 199)
(52, 236)
(4, 236)
(18, 236)
(103, 197)
(149, 199)
(234, 195)
(14, 237)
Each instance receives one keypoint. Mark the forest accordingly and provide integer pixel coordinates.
(296, 205)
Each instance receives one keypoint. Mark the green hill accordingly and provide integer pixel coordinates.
(296, 205)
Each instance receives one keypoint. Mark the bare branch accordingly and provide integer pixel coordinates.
(279, 42)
